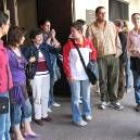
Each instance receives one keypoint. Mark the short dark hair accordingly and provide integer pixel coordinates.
(3, 18)
(135, 14)
(81, 21)
(99, 8)
(119, 23)
(34, 33)
(15, 34)
(43, 21)
(78, 26)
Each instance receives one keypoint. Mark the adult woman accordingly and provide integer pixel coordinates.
(133, 46)
(49, 36)
(38, 55)
(76, 75)
(5, 77)
(20, 105)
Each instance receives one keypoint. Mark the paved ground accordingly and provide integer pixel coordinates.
(106, 125)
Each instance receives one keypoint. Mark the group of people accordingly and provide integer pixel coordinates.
(102, 41)
(114, 48)
(36, 63)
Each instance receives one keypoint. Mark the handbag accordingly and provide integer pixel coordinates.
(30, 70)
(4, 105)
(91, 69)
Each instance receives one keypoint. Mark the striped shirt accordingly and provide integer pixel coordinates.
(42, 66)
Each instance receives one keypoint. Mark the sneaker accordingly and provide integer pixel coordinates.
(49, 110)
(88, 118)
(116, 106)
(137, 108)
(81, 123)
(80, 101)
(56, 104)
(103, 105)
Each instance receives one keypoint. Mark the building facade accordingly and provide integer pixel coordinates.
(27, 13)
(85, 9)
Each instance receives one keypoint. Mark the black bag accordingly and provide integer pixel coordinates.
(93, 72)
(30, 70)
(91, 69)
(4, 105)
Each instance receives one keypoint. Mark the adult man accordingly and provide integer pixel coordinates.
(5, 80)
(105, 39)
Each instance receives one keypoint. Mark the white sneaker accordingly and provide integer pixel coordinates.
(88, 118)
(103, 105)
(81, 123)
(56, 104)
(80, 101)
(49, 110)
(117, 106)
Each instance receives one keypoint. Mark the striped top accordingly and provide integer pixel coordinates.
(42, 66)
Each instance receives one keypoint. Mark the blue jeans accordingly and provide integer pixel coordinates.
(5, 122)
(51, 97)
(56, 76)
(128, 73)
(78, 88)
(136, 76)
(20, 113)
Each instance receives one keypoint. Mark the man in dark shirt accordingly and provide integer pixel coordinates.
(123, 60)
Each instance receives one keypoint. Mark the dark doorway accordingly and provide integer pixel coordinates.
(1, 5)
(59, 12)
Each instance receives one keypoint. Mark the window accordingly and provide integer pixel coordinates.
(118, 10)
(90, 16)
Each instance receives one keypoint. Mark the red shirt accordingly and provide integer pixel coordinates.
(5, 73)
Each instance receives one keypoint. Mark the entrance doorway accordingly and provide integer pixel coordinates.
(59, 12)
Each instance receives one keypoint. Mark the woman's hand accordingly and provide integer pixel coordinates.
(135, 53)
(71, 79)
(53, 33)
(32, 59)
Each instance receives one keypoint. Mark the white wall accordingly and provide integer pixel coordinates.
(134, 7)
(82, 5)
